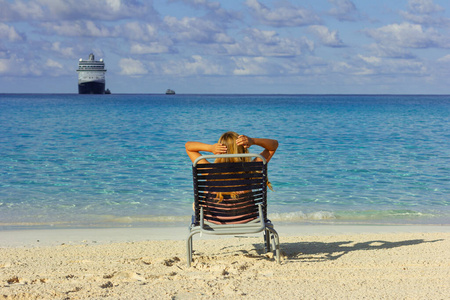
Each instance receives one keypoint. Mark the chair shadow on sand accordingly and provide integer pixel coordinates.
(320, 251)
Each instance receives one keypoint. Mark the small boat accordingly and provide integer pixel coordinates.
(170, 92)
(107, 91)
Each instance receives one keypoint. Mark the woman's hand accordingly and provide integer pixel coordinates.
(218, 148)
(244, 141)
(193, 149)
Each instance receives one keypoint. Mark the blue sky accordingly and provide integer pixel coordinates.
(229, 46)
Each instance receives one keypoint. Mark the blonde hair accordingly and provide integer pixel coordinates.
(229, 139)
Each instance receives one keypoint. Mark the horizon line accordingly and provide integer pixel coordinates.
(233, 94)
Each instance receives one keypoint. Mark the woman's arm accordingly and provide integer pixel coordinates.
(193, 150)
(269, 145)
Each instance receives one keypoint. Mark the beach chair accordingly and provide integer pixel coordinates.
(243, 209)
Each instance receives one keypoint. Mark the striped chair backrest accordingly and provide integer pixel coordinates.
(230, 192)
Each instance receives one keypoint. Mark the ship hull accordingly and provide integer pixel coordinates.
(91, 88)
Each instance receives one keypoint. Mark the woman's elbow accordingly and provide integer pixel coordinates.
(275, 145)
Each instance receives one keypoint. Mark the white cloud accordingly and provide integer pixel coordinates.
(444, 59)
(4, 66)
(139, 32)
(344, 10)
(130, 31)
(196, 65)
(51, 10)
(409, 36)
(96, 31)
(250, 66)
(132, 67)
(285, 15)
(114, 5)
(425, 12)
(151, 48)
(268, 43)
(63, 51)
(371, 65)
(203, 3)
(97, 10)
(343, 67)
(430, 20)
(196, 30)
(390, 51)
(9, 33)
(79, 29)
(21, 10)
(214, 9)
(327, 37)
(423, 7)
(17, 66)
(53, 64)
(373, 60)
(361, 66)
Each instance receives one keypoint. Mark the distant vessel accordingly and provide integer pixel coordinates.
(170, 92)
(91, 76)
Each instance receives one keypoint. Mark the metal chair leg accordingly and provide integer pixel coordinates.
(189, 248)
(267, 240)
(189, 251)
(276, 243)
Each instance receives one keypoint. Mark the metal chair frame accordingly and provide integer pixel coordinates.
(246, 178)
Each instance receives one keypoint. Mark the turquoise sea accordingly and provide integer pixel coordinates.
(118, 160)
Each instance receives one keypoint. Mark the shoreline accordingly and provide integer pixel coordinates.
(57, 236)
(292, 218)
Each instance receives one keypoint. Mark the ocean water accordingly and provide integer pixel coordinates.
(119, 160)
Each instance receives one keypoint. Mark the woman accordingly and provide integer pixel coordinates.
(230, 143)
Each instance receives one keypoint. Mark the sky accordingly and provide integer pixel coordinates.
(229, 46)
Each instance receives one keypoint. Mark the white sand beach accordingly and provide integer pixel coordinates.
(318, 262)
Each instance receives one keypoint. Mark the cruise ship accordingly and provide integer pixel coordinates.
(91, 76)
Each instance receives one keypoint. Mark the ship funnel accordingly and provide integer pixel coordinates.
(91, 56)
